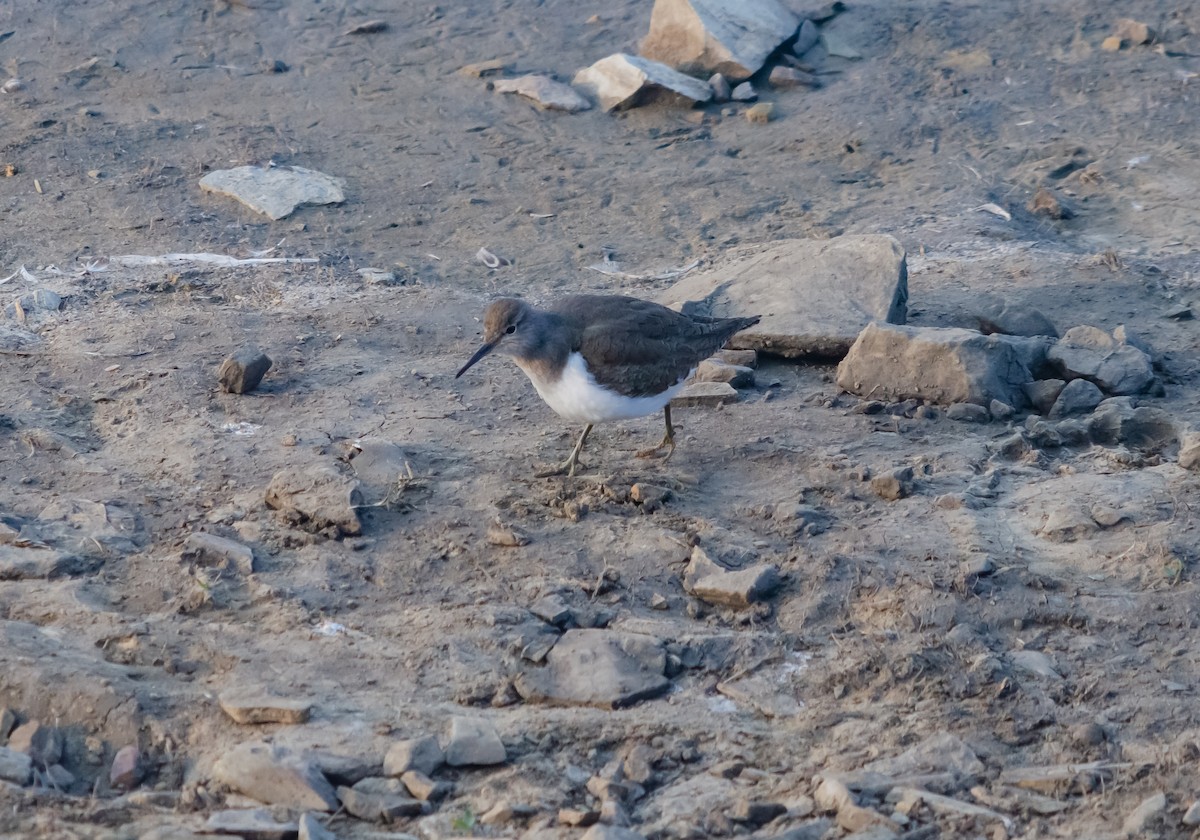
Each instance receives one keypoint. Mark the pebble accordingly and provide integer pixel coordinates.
(552, 609)
(853, 818)
(791, 77)
(756, 813)
(612, 812)
(594, 667)
(1045, 203)
(211, 550)
(720, 88)
(999, 315)
(473, 742)
(1189, 451)
(126, 770)
(894, 485)
(705, 395)
(762, 112)
(275, 775)
(638, 765)
(424, 755)
(277, 191)
(8, 718)
(1079, 396)
(743, 358)
(832, 795)
(311, 828)
(317, 498)
(1150, 808)
(1043, 393)
(506, 536)
(1001, 411)
(578, 818)
(621, 81)
(422, 787)
(711, 582)
(651, 497)
(1180, 312)
(375, 802)
(546, 92)
(242, 372)
(968, 413)
(1192, 815)
(807, 39)
(15, 766)
(39, 299)
(737, 376)
(744, 92)
(252, 705)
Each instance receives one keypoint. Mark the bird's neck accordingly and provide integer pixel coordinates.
(549, 339)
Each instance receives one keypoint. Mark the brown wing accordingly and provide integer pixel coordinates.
(638, 348)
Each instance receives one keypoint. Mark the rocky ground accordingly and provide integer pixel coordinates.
(342, 603)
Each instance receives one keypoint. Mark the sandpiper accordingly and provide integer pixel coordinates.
(604, 357)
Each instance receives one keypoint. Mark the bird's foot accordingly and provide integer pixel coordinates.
(667, 443)
(566, 468)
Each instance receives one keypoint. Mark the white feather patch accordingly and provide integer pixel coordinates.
(575, 396)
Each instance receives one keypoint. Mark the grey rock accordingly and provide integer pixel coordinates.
(735, 376)
(1116, 420)
(249, 704)
(623, 81)
(275, 775)
(1180, 312)
(311, 828)
(738, 588)
(807, 39)
(602, 668)
(1010, 318)
(1067, 523)
(59, 777)
(894, 485)
(815, 829)
(34, 562)
(250, 823)
(242, 372)
(422, 787)
(42, 743)
(785, 77)
(547, 93)
(939, 753)
(1013, 448)
(742, 358)
(15, 766)
(473, 742)
(744, 92)
(211, 550)
(552, 609)
(275, 192)
(832, 795)
(1043, 393)
(814, 296)
(764, 694)
(374, 803)
(1079, 396)
(720, 88)
(705, 395)
(346, 769)
(1192, 815)
(941, 365)
(732, 37)
(1124, 334)
(1189, 451)
(1073, 432)
(1091, 353)
(126, 769)
(316, 498)
(1042, 434)
(39, 299)
(638, 765)
(612, 812)
(754, 812)
(1150, 808)
(8, 721)
(969, 413)
(1001, 410)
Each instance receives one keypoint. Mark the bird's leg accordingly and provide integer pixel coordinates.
(668, 441)
(568, 466)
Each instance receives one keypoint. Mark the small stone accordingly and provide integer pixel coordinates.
(782, 77)
(658, 601)
(546, 92)
(473, 742)
(1045, 203)
(1180, 312)
(8, 719)
(126, 769)
(712, 582)
(252, 705)
(1140, 816)
(1192, 815)
(832, 795)
(1133, 31)
(256, 823)
(39, 299)
(738, 376)
(506, 536)
(275, 775)
(742, 358)
(367, 803)
(808, 38)
(311, 828)
(602, 668)
(368, 27)
(720, 88)
(623, 81)
(1088, 734)
(1067, 523)
(756, 813)
(422, 787)
(1189, 451)
(762, 112)
(43, 744)
(1001, 411)
(276, 191)
(15, 766)
(1043, 393)
(967, 413)
(577, 818)
(638, 765)
(612, 812)
(744, 92)
(650, 496)
(705, 395)
(1079, 396)
(211, 550)
(733, 38)
(552, 609)
(242, 372)
(1111, 44)
(1014, 447)
(423, 755)
(317, 498)
(481, 69)
(1007, 317)
(59, 777)
(854, 818)
(1087, 352)
(895, 485)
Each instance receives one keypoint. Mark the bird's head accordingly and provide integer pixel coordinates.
(505, 330)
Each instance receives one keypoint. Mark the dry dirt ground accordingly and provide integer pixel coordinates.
(897, 620)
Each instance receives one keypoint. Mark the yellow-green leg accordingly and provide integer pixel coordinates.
(668, 441)
(568, 466)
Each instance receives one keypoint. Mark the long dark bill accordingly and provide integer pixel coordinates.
(479, 354)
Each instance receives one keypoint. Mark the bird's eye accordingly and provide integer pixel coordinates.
(512, 328)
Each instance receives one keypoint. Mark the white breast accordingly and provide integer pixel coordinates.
(575, 396)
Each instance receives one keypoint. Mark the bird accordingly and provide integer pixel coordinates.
(595, 358)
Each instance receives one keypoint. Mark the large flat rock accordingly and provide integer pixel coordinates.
(598, 668)
(623, 81)
(730, 37)
(277, 191)
(814, 295)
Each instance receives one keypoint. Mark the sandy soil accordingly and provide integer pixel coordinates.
(897, 621)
